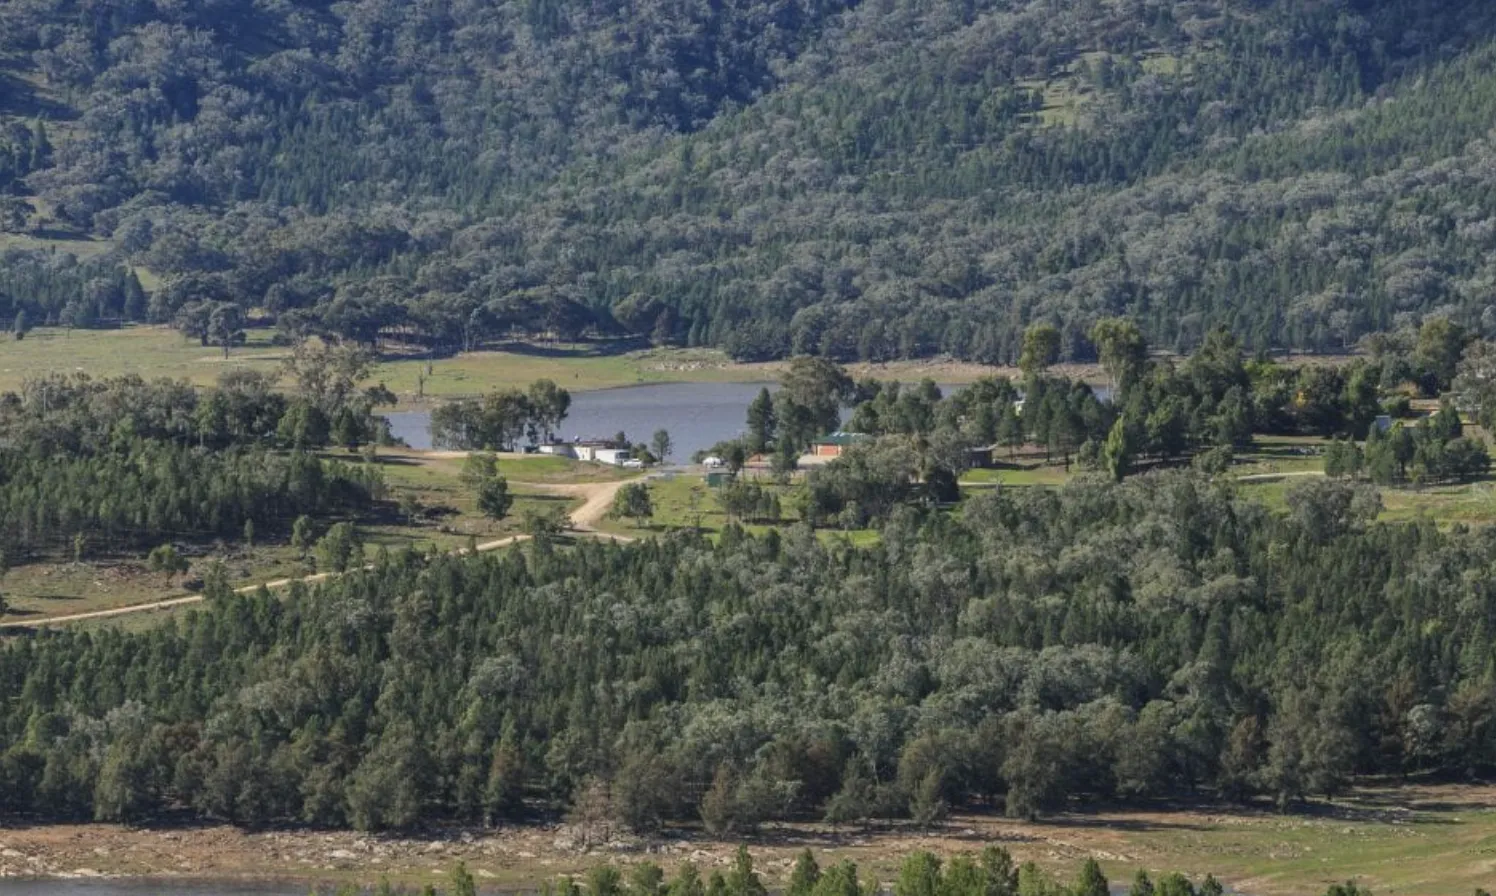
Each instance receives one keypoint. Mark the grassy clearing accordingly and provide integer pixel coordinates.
(686, 502)
(447, 514)
(1063, 104)
(579, 368)
(1160, 64)
(1472, 503)
(1272, 493)
(80, 248)
(154, 352)
(151, 352)
(40, 590)
(1270, 455)
(418, 469)
(586, 367)
(1044, 475)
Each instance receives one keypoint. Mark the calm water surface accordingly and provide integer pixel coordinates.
(697, 415)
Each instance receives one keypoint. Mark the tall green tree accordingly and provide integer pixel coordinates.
(1041, 348)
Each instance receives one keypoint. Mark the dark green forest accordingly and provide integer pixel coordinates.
(123, 465)
(1040, 649)
(854, 180)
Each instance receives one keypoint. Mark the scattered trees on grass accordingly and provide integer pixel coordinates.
(1432, 451)
(632, 501)
(501, 419)
(992, 872)
(746, 501)
(494, 499)
(660, 445)
(166, 560)
(340, 548)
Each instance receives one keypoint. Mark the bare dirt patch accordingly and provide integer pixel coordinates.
(1429, 840)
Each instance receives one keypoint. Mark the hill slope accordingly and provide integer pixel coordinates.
(860, 180)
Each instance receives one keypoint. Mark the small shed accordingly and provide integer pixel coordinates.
(588, 450)
(836, 444)
(982, 458)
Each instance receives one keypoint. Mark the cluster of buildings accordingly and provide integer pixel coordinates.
(598, 451)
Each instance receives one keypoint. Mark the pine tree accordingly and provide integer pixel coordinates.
(503, 792)
(741, 880)
(462, 882)
(919, 876)
(1118, 451)
(1141, 885)
(41, 147)
(762, 422)
(804, 876)
(687, 882)
(1091, 881)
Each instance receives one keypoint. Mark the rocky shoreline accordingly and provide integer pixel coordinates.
(221, 852)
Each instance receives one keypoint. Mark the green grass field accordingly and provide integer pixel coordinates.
(417, 469)
(151, 352)
(154, 352)
(1051, 475)
(1270, 455)
(686, 502)
(80, 248)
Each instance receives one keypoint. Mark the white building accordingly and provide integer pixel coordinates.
(613, 456)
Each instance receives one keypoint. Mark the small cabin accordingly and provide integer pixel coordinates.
(589, 450)
(836, 444)
(982, 458)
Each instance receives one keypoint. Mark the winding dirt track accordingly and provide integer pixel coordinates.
(597, 500)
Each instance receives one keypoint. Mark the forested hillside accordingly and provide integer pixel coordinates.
(1154, 638)
(866, 180)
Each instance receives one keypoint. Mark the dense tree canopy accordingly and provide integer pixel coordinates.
(124, 464)
(774, 177)
(1098, 642)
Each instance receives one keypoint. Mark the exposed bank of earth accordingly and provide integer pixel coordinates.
(1431, 840)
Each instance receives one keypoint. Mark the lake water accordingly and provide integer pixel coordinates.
(697, 415)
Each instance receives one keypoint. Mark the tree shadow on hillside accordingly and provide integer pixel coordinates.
(21, 99)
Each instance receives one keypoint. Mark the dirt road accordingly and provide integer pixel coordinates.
(597, 498)
(1274, 477)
